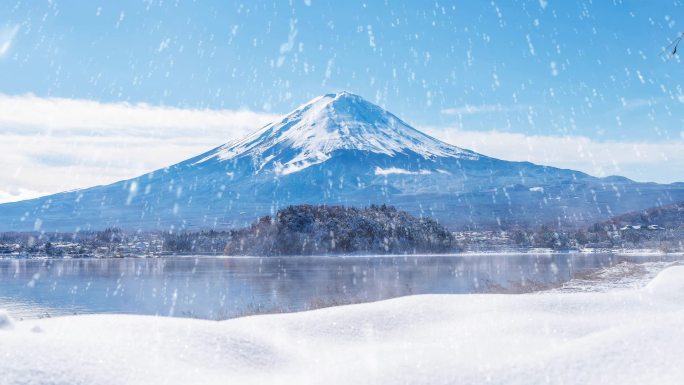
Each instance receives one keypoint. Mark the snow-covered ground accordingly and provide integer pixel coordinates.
(624, 275)
(621, 336)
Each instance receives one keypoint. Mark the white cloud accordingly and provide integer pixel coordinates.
(28, 113)
(56, 144)
(642, 161)
(481, 109)
(286, 47)
(631, 104)
(7, 35)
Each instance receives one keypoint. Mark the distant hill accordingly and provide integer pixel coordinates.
(669, 217)
(307, 230)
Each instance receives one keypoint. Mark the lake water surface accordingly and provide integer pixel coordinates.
(220, 288)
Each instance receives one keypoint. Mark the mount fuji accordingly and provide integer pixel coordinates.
(340, 149)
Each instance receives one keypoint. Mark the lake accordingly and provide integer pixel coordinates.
(221, 288)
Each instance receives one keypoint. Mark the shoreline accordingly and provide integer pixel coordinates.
(534, 251)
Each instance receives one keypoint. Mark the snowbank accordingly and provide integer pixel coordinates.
(6, 321)
(619, 337)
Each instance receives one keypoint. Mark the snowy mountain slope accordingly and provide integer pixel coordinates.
(340, 149)
(343, 121)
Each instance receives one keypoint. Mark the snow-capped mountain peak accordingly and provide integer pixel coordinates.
(340, 121)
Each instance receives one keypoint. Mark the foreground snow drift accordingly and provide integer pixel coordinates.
(619, 337)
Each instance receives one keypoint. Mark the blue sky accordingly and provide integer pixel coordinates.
(551, 69)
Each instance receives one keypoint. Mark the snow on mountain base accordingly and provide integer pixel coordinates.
(620, 337)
